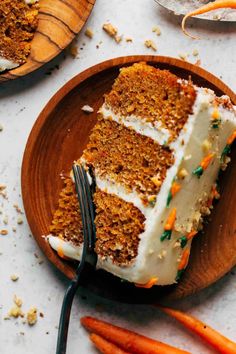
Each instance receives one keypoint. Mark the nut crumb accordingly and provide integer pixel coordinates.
(5, 220)
(4, 232)
(195, 52)
(156, 30)
(19, 220)
(15, 312)
(118, 39)
(18, 209)
(32, 316)
(110, 29)
(150, 44)
(89, 33)
(183, 56)
(129, 39)
(14, 277)
(88, 109)
(17, 301)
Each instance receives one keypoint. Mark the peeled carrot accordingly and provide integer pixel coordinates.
(214, 338)
(218, 4)
(104, 346)
(128, 340)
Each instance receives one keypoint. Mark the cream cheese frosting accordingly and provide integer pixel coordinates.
(160, 258)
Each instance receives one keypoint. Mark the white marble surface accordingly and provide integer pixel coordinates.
(41, 285)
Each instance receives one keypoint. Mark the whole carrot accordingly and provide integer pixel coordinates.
(128, 340)
(218, 4)
(104, 346)
(214, 338)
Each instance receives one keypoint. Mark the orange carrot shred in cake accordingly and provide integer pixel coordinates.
(144, 154)
(18, 24)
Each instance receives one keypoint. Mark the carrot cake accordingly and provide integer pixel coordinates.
(18, 20)
(156, 151)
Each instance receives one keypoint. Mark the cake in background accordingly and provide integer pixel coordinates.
(156, 152)
(18, 19)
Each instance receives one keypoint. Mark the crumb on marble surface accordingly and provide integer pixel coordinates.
(157, 30)
(32, 316)
(14, 277)
(150, 44)
(89, 33)
(4, 232)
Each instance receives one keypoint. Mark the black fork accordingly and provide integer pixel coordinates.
(88, 258)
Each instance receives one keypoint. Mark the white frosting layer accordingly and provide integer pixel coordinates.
(6, 64)
(158, 258)
(157, 133)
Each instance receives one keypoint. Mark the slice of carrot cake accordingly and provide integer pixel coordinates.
(156, 151)
(18, 22)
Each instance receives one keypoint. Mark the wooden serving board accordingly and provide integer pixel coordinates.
(59, 137)
(59, 22)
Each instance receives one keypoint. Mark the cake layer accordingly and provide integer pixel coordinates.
(127, 158)
(18, 24)
(156, 96)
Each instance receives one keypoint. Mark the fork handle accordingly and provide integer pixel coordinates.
(65, 317)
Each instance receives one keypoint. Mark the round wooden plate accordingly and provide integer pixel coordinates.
(59, 137)
(59, 22)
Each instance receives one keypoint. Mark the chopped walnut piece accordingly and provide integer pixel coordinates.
(150, 44)
(110, 29)
(89, 33)
(32, 316)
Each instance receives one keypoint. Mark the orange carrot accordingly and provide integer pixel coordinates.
(149, 284)
(128, 340)
(175, 188)
(171, 220)
(104, 346)
(218, 4)
(214, 338)
(191, 234)
(231, 138)
(184, 260)
(206, 161)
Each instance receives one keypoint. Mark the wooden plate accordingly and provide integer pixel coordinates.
(59, 137)
(59, 22)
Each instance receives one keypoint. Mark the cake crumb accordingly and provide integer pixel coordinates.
(1, 127)
(88, 33)
(195, 52)
(150, 44)
(118, 39)
(14, 277)
(88, 109)
(14, 229)
(198, 62)
(4, 232)
(129, 39)
(156, 30)
(177, 244)
(110, 29)
(19, 220)
(32, 316)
